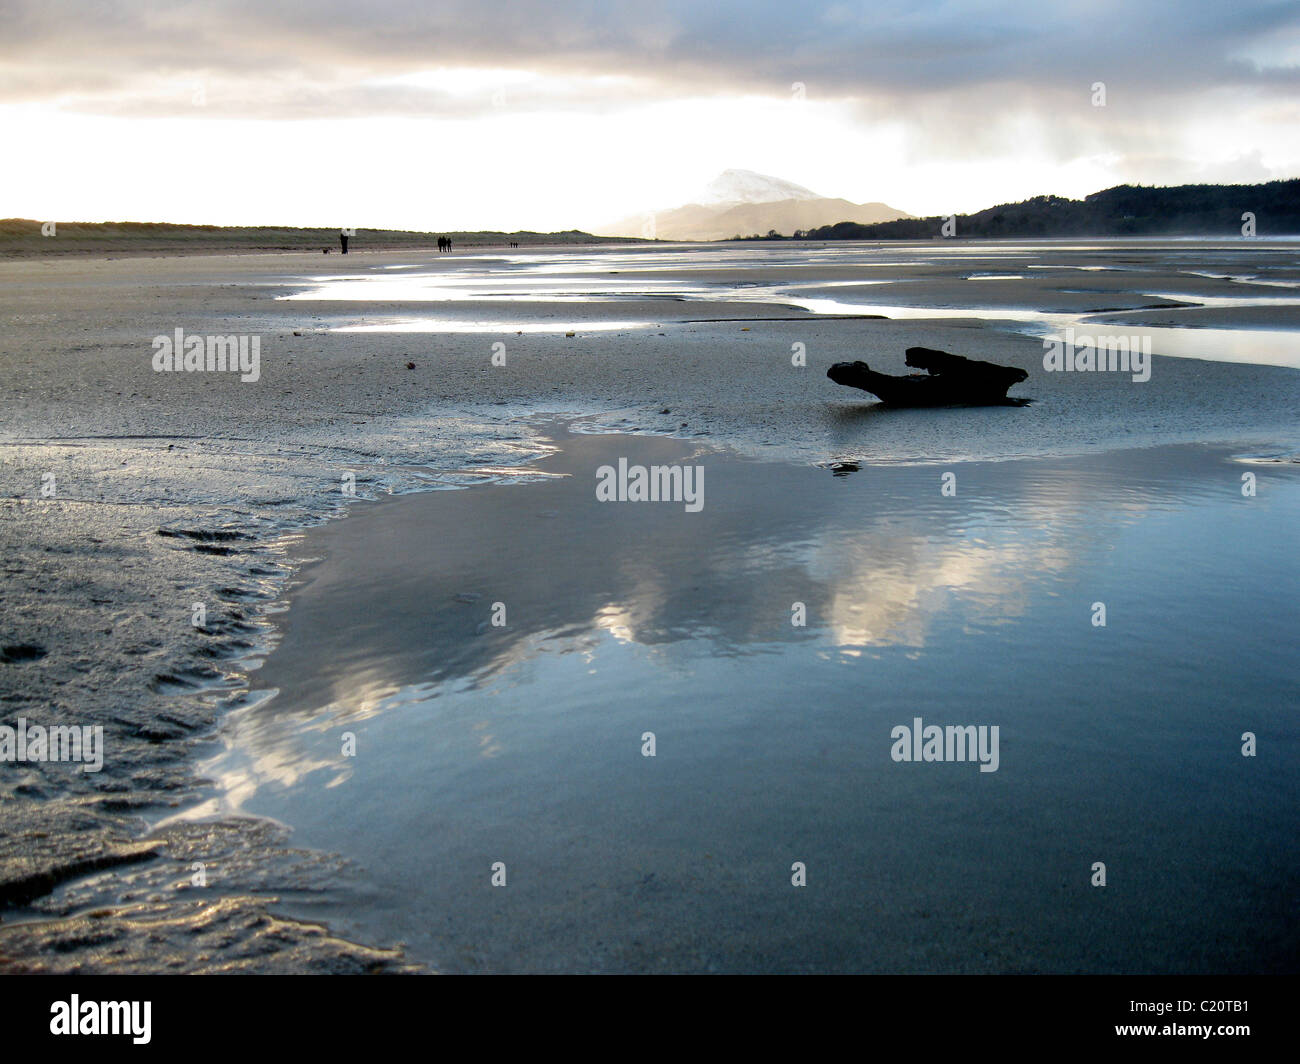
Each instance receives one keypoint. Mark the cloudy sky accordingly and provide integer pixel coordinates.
(467, 114)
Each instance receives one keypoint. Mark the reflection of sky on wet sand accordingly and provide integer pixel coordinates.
(477, 742)
(529, 290)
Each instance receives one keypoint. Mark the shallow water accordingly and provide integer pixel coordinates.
(523, 744)
(890, 280)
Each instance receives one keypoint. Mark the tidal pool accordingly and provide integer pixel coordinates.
(469, 682)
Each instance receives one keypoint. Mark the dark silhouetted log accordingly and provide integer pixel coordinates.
(949, 380)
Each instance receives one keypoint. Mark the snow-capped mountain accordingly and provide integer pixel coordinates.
(745, 186)
(741, 203)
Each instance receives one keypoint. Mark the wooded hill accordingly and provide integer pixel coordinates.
(1126, 210)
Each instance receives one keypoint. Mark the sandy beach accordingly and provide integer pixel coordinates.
(130, 496)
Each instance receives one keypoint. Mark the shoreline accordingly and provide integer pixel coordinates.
(1226, 242)
(111, 254)
(396, 694)
(265, 469)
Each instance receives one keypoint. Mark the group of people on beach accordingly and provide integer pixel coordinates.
(444, 244)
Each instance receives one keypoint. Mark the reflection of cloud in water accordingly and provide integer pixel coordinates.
(888, 580)
(887, 584)
(396, 615)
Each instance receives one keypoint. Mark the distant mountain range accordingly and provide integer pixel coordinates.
(743, 203)
(1126, 210)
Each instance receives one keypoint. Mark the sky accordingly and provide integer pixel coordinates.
(492, 114)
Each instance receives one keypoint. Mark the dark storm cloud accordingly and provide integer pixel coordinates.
(301, 59)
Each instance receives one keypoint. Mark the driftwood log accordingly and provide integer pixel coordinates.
(949, 380)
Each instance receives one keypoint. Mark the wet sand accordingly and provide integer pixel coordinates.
(225, 469)
(498, 657)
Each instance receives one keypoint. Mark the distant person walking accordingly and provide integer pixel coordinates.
(343, 240)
